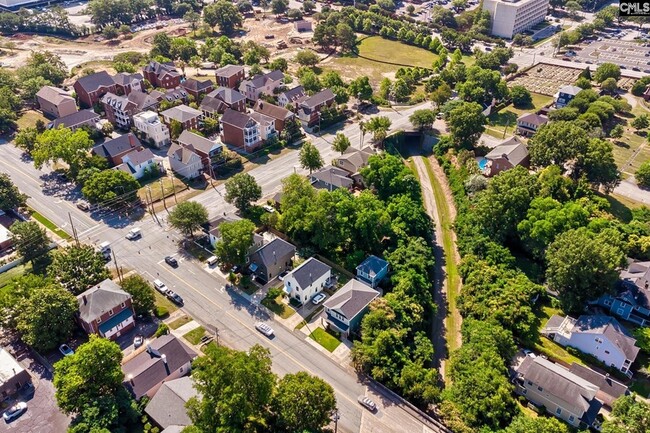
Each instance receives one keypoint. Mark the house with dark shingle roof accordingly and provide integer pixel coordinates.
(91, 88)
(600, 336)
(55, 102)
(126, 83)
(505, 156)
(631, 300)
(113, 150)
(119, 110)
(230, 76)
(162, 360)
(263, 83)
(291, 96)
(529, 123)
(272, 259)
(280, 115)
(566, 95)
(163, 75)
(345, 308)
(372, 270)
(609, 390)
(187, 116)
(105, 309)
(76, 120)
(197, 88)
(205, 148)
(240, 130)
(309, 109)
(307, 280)
(331, 178)
(561, 392)
(167, 407)
(219, 100)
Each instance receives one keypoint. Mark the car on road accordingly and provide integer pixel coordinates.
(14, 411)
(367, 403)
(320, 297)
(171, 261)
(83, 205)
(134, 233)
(174, 297)
(264, 329)
(65, 350)
(160, 286)
(138, 340)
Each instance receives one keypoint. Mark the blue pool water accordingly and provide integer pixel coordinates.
(482, 163)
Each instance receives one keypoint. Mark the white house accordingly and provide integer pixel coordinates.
(150, 125)
(184, 161)
(260, 84)
(308, 279)
(598, 335)
(267, 125)
(138, 161)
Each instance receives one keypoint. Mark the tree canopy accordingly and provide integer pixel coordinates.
(223, 14)
(10, 196)
(142, 294)
(110, 187)
(309, 157)
(241, 190)
(30, 240)
(466, 123)
(235, 241)
(188, 217)
(78, 268)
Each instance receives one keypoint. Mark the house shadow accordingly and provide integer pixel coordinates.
(239, 302)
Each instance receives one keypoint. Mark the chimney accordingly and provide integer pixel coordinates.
(164, 360)
(85, 299)
(130, 377)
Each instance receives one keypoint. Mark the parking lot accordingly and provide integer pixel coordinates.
(627, 54)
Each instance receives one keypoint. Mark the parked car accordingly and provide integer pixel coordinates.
(83, 205)
(174, 297)
(134, 233)
(264, 329)
(320, 297)
(65, 350)
(282, 275)
(138, 340)
(14, 411)
(367, 403)
(268, 208)
(171, 261)
(235, 269)
(160, 286)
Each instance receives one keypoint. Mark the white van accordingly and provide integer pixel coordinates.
(212, 261)
(134, 234)
(160, 286)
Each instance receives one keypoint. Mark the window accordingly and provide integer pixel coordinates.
(571, 418)
(607, 302)
(530, 382)
(607, 352)
(524, 391)
(110, 312)
(558, 411)
(99, 320)
(540, 389)
(123, 304)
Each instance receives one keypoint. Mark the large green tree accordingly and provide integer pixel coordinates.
(389, 176)
(62, 144)
(223, 14)
(422, 119)
(557, 143)
(607, 70)
(111, 188)
(143, 297)
(10, 196)
(236, 240)
(583, 265)
(309, 157)
(341, 143)
(188, 217)
(379, 126)
(360, 88)
(78, 268)
(628, 416)
(525, 424)
(30, 240)
(46, 318)
(236, 390)
(241, 190)
(303, 402)
(466, 123)
(642, 175)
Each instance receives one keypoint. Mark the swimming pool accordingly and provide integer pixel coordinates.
(482, 163)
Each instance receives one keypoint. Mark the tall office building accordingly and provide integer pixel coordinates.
(510, 17)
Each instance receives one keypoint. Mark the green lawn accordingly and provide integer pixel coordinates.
(278, 307)
(29, 118)
(50, 225)
(158, 190)
(195, 335)
(180, 322)
(325, 339)
(506, 119)
(12, 273)
(164, 303)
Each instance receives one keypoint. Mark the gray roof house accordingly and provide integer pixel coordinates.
(185, 161)
(508, 154)
(609, 389)
(307, 280)
(529, 123)
(331, 178)
(76, 120)
(345, 308)
(631, 301)
(565, 95)
(167, 407)
(105, 309)
(291, 96)
(272, 259)
(162, 360)
(372, 270)
(598, 335)
(563, 393)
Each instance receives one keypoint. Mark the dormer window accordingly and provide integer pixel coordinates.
(110, 312)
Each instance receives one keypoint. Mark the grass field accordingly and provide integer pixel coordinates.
(547, 347)
(325, 339)
(381, 50)
(278, 307)
(632, 150)
(180, 322)
(507, 118)
(12, 273)
(50, 225)
(195, 335)
(162, 301)
(29, 118)
(159, 191)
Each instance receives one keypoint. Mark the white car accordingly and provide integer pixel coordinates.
(160, 286)
(268, 208)
(367, 403)
(318, 298)
(264, 329)
(14, 411)
(134, 234)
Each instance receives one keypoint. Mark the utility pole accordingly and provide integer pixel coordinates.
(117, 268)
(162, 191)
(174, 188)
(74, 231)
(153, 210)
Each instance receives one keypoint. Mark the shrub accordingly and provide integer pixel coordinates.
(163, 329)
(161, 312)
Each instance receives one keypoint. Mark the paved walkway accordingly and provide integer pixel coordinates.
(189, 326)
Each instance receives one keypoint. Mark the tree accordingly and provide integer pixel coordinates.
(188, 217)
(607, 70)
(112, 186)
(556, 143)
(641, 122)
(62, 144)
(309, 157)
(143, 297)
(279, 7)
(441, 95)
(194, 18)
(642, 175)
(307, 58)
(410, 9)
(303, 402)
(524, 424)
(78, 268)
(223, 14)
(241, 190)
(466, 123)
(46, 318)
(309, 6)
(422, 119)
(598, 165)
(521, 97)
(341, 143)
(582, 266)
(617, 131)
(379, 126)
(610, 85)
(30, 240)
(279, 64)
(628, 416)
(236, 389)
(10, 196)
(110, 32)
(236, 240)
(360, 88)
(346, 38)
(45, 65)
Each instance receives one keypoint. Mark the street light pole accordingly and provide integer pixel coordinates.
(335, 417)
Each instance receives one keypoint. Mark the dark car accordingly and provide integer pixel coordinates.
(171, 261)
(174, 297)
(235, 269)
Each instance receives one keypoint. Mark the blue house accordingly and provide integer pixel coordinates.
(372, 270)
(632, 298)
(345, 308)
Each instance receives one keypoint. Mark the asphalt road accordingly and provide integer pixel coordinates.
(224, 310)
